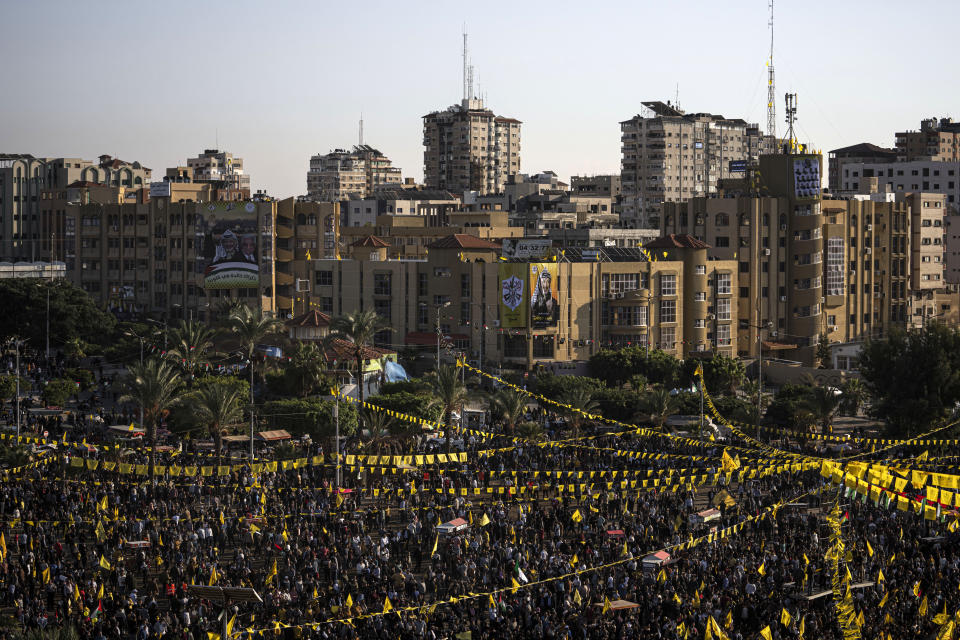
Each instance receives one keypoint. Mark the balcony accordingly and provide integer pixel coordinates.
(284, 255)
(284, 278)
(283, 231)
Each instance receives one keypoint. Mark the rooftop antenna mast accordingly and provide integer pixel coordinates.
(466, 95)
(791, 142)
(361, 128)
(771, 86)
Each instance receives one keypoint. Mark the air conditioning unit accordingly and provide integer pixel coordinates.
(496, 323)
(783, 227)
(766, 252)
(833, 327)
(868, 250)
(869, 227)
(822, 300)
(783, 298)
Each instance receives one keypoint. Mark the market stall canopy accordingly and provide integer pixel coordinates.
(454, 526)
(273, 436)
(619, 605)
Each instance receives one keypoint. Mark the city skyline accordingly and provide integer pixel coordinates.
(128, 96)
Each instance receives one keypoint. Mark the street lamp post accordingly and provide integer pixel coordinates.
(17, 343)
(336, 433)
(140, 338)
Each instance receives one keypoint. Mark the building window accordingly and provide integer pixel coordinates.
(464, 285)
(668, 311)
(723, 335)
(382, 284)
(382, 308)
(422, 284)
(618, 283)
(722, 242)
(701, 269)
(543, 346)
(325, 278)
(464, 313)
(835, 267)
(668, 284)
(723, 308)
(326, 304)
(423, 315)
(723, 283)
(667, 338)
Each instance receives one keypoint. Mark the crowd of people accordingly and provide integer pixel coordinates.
(553, 546)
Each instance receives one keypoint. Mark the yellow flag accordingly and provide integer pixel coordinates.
(273, 572)
(728, 621)
(387, 607)
(435, 543)
(104, 564)
(883, 600)
(3, 546)
(803, 626)
(762, 571)
(349, 602)
(514, 584)
(484, 521)
(46, 576)
(493, 603)
(103, 506)
(923, 606)
(806, 560)
(785, 618)
(662, 576)
(99, 591)
(860, 619)
(576, 597)
(766, 634)
(869, 549)
(573, 561)
(213, 576)
(606, 604)
(880, 577)
(923, 456)
(230, 625)
(576, 517)
(159, 539)
(76, 593)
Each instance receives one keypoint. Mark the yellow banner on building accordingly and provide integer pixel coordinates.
(514, 296)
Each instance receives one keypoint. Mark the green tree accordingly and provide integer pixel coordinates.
(722, 374)
(310, 416)
(359, 328)
(824, 359)
(531, 431)
(421, 405)
(913, 378)
(823, 403)
(83, 377)
(73, 313)
(8, 386)
(854, 395)
(306, 367)
(790, 408)
(413, 385)
(509, 406)
(56, 392)
(555, 387)
(75, 350)
(577, 402)
(658, 404)
(155, 387)
(616, 366)
(219, 407)
(182, 418)
(450, 394)
(251, 327)
(191, 346)
(616, 404)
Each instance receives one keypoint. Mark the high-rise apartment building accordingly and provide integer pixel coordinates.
(223, 170)
(928, 176)
(843, 268)
(342, 174)
(25, 178)
(469, 148)
(858, 153)
(672, 156)
(937, 140)
(176, 257)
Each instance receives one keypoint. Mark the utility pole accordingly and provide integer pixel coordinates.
(336, 433)
(771, 86)
(48, 322)
(251, 406)
(17, 342)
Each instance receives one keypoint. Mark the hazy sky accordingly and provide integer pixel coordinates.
(276, 82)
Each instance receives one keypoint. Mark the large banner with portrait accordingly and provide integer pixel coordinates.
(227, 254)
(544, 302)
(513, 295)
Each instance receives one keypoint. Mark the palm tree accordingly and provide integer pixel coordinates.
(218, 406)
(510, 406)
(530, 431)
(380, 425)
(450, 394)
(578, 401)
(251, 327)
(307, 365)
(823, 403)
(192, 345)
(854, 395)
(155, 386)
(658, 404)
(358, 328)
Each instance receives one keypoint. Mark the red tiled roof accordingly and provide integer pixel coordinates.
(677, 241)
(463, 241)
(371, 241)
(344, 350)
(312, 318)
